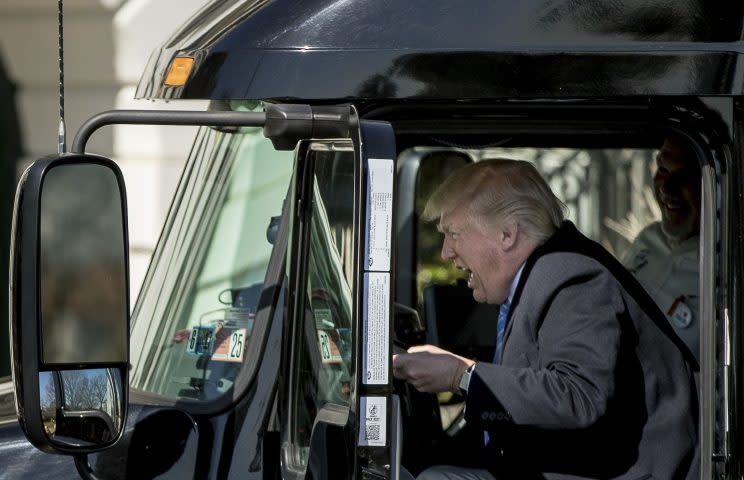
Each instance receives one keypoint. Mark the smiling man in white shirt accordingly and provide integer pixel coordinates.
(665, 255)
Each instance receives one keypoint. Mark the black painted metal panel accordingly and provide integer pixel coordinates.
(438, 49)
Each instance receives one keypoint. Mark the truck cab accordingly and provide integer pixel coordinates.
(294, 262)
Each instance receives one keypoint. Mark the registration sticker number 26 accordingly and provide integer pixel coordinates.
(229, 344)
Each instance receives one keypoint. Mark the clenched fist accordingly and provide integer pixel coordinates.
(430, 369)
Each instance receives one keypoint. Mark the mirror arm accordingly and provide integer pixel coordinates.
(283, 124)
(164, 117)
(83, 467)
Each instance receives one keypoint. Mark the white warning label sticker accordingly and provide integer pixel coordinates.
(376, 328)
(379, 214)
(372, 421)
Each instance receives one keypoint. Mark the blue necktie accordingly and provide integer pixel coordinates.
(500, 329)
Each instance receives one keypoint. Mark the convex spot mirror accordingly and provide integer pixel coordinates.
(70, 303)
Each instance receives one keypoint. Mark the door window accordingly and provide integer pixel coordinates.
(608, 192)
(610, 195)
(323, 336)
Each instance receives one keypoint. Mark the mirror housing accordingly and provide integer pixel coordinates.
(69, 295)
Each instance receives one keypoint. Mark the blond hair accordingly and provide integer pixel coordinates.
(500, 190)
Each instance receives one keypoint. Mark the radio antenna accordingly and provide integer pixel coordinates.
(61, 134)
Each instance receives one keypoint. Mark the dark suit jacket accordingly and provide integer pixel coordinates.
(593, 383)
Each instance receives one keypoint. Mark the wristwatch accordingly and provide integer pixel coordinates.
(465, 380)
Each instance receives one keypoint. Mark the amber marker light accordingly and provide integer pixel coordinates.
(179, 71)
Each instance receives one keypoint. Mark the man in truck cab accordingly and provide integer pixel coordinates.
(588, 380)
(664, 256)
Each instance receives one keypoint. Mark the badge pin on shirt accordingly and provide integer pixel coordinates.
(680, 313)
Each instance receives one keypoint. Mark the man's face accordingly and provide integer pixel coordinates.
(479, 253)
(677, 189)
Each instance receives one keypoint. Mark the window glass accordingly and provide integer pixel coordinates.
(613, 196)
(643, 205)
(608, 192)
(198, 302)
(434, 168)
(324, 336)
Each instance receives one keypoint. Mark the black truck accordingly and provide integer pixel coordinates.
(293, 261)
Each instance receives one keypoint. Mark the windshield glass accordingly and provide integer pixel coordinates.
(195, 314)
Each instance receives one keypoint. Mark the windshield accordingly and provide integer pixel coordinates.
(195, 314)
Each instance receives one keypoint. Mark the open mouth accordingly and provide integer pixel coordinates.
(672, 205)
(673, 208)
(470, 275)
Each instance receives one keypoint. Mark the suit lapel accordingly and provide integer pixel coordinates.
(552, 244)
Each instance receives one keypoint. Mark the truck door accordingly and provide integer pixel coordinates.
(203, 380)
(337, 410)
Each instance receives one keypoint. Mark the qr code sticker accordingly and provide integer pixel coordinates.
(373, 420)
(372, 433)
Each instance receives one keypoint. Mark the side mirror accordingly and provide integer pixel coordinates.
(69, 298)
